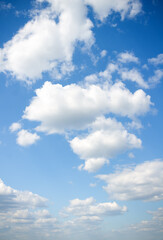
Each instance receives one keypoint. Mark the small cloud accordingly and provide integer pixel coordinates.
(15, 127)
(135, 124)
(26, 138)
(126, 57)
(157, 60)
(103, 53)
(131, 155)
(145, 66)
(155, 79)
(135, 76)
(80, 167)
(92, 184)
(5, 6)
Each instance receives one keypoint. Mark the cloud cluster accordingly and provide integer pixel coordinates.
(23, 214)
(43, 43)
(60, 109)
(46, 43)
(107, 139)
(124, 73)
(144, 182)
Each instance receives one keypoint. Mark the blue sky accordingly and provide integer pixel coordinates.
(81, 120)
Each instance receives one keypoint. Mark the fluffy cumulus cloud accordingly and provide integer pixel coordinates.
(25, 138)
(107, 139)
(144, 182)
(157, 60)
(126, 57)
(89, 207)
(71, 107)
(43, 42)
(126, 8)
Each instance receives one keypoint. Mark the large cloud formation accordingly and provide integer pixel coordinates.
(60, 109)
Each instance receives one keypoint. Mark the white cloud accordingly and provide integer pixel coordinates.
(61, 108)
(126, 8)
(156, 61)
(107, 74)
(11, 199)
(126, 57)
(103, 53)
(124, 103)
(133, 75)
(43, 43)
(15, 126)
(89, 207)
(91, 164)
(73, 107)
(144, 182)
(107, 139)
(47, 41)
(155, 79)
(26, 138)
